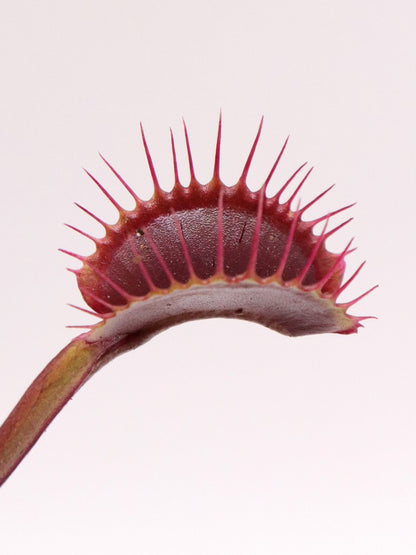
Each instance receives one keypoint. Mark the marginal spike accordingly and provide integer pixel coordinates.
(90, 312)
(251, 268)
(74, 255)
(282, 264)
(106, 193)
(347, 283)
(276, 162)
(85, 234)
(188, 150)
(295, 192)
(122, 181)
(220, 239)
(354, 301)
(216, 174)
(318, 197)
(360, 318)
(313, 254)
(288, 182)
(175, 161)
(105, 225)
(333, 213)
(334, 267)
(157, 189)
(332, 231)
(247, 165)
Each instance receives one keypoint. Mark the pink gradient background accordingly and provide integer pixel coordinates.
(218, 436)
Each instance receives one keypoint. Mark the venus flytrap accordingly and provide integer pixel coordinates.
(200, 251)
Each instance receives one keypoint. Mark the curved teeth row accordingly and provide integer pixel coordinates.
(165, 199)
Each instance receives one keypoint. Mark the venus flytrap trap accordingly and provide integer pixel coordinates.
(199, 251)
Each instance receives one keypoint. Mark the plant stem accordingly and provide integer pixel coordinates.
(46, 396)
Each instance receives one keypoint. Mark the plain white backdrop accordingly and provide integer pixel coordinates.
(217, 436)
